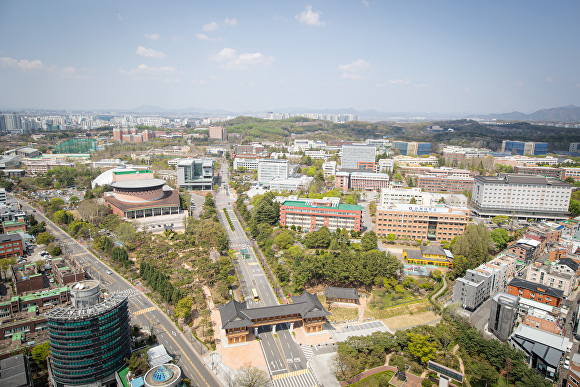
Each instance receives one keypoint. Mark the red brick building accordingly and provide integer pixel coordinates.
(26, 278)
(535, 292)
(11, 245)
(434, 183)
(312, 214)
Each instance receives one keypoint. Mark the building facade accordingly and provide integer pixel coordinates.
(502, 315)
(355, 156)
(452, 184)
(218, 133)
(270, 169)
(525, 148)
(195, 174)
(11, 245)
(421, 222)
(523, 196)
(312, 214)
(412, 148)
(532, 291)
(472, 289)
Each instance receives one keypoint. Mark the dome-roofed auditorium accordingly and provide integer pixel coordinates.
(137, 194)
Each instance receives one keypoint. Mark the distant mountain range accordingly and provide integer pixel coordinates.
(570, 113)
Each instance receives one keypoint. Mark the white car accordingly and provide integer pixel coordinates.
(109, 272)
(567, 364)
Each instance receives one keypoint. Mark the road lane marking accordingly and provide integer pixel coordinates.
(280, 350)
(141, 311)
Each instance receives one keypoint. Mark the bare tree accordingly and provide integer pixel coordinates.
(91, 211)
(249, 376)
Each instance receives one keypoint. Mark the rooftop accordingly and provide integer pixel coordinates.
(313, 204)
(512, 179)
(521, 283)
(143, 183)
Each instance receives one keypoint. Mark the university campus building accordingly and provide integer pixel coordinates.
(136, 194)
(312, 214)
(421, 222)
(237, 319)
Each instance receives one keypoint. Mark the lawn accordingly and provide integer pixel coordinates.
(411, 308)
(338, 314)
(373, 380)
(383, 298)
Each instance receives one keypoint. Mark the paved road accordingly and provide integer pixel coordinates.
(283, 355)
(144, 312)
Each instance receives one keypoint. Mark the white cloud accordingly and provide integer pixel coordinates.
(177, 38)
(353, 70)
(467, 90)
(119, 17)
(421, 85)
(22, 64)
(241, 61)
(310, 17)
(152, 36)
(355, 66)
(207, 38)
(379, 85)
(212, 26)
(204, 80)
(149, 52)
(366, 3)
(143, 69)
(549, 79)
(520, 83)
(399, 81)
(231, 22)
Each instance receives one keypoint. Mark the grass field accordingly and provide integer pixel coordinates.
(342, 314)
(373, 380)
(411, 308)
(383, 298)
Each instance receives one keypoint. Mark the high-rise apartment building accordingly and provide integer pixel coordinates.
(270, 169)
(531, 196)
(195, 174)
(218, 133)
(358, 156)
(89, 340)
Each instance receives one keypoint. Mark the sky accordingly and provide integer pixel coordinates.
(393, 56)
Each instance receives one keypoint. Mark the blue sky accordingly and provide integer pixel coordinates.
(394, 56)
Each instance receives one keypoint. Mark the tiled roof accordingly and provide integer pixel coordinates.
(520, 283)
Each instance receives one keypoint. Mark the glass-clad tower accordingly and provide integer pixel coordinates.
(90, 340)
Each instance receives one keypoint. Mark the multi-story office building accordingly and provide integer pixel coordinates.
(385, 165)
(90, 340)
(312, 214)
(525, 148)
(434, 183)
(523, 196)
(533, 291)
(554, 173)
(270, 169)
(358, 156)
(455, 155)
(402, 160)
(394, 195)
(195, 174)
(368, 181)
(574, 173)
(291, 183)
(11, 245)
(526, 250)
(502, 315)
(574, 147)
(421, 222)
(249, 164)
(412, 148)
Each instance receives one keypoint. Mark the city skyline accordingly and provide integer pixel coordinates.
(393, 57)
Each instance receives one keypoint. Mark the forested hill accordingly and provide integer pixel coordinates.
(261, 129)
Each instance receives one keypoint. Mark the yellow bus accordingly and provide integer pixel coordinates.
(255, 294)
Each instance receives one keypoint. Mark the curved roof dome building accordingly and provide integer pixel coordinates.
(137, 194)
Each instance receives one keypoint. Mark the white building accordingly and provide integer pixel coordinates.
(395, 195)
(249, 164)
(356, 154)
(524, 196)
(291, 183)
(544, 275)
(303, 145)
(317, 154)
(415, 161)
(3, 196)
(329, 168)
(385, 165)
(270, 169)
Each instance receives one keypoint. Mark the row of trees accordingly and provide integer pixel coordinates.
(160, 282)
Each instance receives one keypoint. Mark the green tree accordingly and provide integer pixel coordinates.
(40, 353)
(119, 254)
(44, 238)
(37, 229)
(569, 180)
(501, 237)
(500, 220)
(284, 240)
(369, 241)
(391, 237)
(413, 200)
(183, 307)
(55, 251)
(399, 362)
(420, 347)
(574, 207)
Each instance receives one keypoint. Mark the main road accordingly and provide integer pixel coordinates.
(144, 312)
(284, 357)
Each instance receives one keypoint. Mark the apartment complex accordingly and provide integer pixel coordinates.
(270, 169)
(312, 214)
(358, 156)
(195, 174)
(524, 196)
(473, 289)
(551, 276)
(421, 222)
(525, 148)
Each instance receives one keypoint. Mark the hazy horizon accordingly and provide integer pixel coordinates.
(445, 58)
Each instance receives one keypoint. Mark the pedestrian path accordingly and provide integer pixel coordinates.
(144, 311)
(301, 378)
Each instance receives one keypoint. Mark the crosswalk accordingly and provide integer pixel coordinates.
(301, 378)
(308, 351)
(69, 243)
(128, 292)
(240, 246)
(144, 311)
